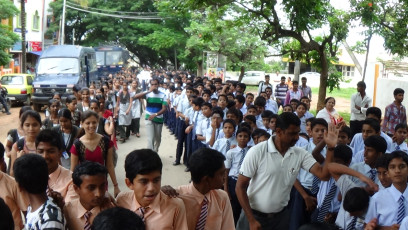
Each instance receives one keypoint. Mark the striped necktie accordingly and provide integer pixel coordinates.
(324, 209)
(315, 185)
(142, 211)
(203, 215)
(242, 158)
(227, 147)
(352, 224)
(401, 209)
(87, 217)
(195, 127)
(373, 173)
(208, 123)
(397, 148)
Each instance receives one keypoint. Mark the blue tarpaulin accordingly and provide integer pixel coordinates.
(38, 53)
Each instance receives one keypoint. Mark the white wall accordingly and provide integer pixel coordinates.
(385, 92)
(31, 6)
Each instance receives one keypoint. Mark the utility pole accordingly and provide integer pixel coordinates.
(62, 35)
(23, 37)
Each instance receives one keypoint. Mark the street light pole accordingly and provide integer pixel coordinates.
(62, 35)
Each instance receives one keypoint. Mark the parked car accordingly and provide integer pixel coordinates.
(19, 87)
(253, 77)
(310, 74)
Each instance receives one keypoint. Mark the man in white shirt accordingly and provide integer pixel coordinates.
(272, 167)
(358, 104)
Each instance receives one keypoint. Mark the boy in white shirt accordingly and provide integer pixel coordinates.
(224, 144)
(398, 140)
(204, 125)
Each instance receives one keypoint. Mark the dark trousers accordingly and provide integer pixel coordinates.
(188, 148)
(176, 128)
(124, 131)
(236, 207)
(3, 102)
(135, 125)
(297, 209)
(356, 127)
(181, 136)
(173, 121)
(280, 221)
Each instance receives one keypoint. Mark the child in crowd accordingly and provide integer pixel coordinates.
(213, 133)
(306, 100)
(288, 108)
(119, 219)
(234, 158)
(195, 119)
(90, 184)
(50, 146)
(252, 110)
(390, 205)
(52, 120)
(309, 125)
(259, 103)
(214, 102)
(266, 118)
(272, 123)
(203, 125)
(294, 103)
(382, 174)
(400, 135)
(224, 144)
(239, 103)
(300, 112)
(143, 177)
(31, 174)
(370, 127)
(263, 137)
(83, 105)
(71, 104)
(249, 99)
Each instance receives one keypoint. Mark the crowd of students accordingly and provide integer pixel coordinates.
(250, 167)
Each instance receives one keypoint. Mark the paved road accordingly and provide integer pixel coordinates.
(172, 175)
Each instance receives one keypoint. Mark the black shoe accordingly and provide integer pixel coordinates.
(8, 113)
(187, 169)
(176, 163)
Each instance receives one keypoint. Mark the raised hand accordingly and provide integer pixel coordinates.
(330, 136)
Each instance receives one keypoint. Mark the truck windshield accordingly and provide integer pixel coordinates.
(100, 58)
(58, 65)
(114, 58)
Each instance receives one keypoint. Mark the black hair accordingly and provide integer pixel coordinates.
(84, 89)
(382, 161)
(205, 162)
(295, 82)
(87, 168)
(206, 91)
(76, 88)
(2, 150)
(117, 218)
(301, 104)
(234, 111)
(345, 129)
(283, 78)
(257, 133)
(70, 99)
(223, 95)
(289, 107)
(327, 99)
(250, 94)
(198, 101)
(94, 101)
(305, 97)
(243, 129)
(266, 114)
(214, 99)
(251, 118)
(260, 101)
(231, 94)
(65, 113)
(31, 173)
(373, 123)
(294, 100)
(374, 111)
(87, 114)
(142, 161)
(356, 200)
(310, 119)
(240, 99)
(266, 134)
(49, 136)
(23, 109)
(318, 226)
(251, 107)
(286, 119)
(303, 78)
(361, 84)
(398, 91)
(343, 152)
(397, 154)
(30, 113)
(6, 218)
(319, 121)
(230, 104)
(217, 110)
(243, 86)
(376, 142)
(229, 121)
(401, 126)
(207, 104)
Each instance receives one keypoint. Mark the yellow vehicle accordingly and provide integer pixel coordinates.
(19, 87)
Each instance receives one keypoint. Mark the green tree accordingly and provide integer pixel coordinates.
(7, 37)
(297, 22)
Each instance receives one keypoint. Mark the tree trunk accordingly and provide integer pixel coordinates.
(368, 50)
(241, 74)
(200, 69)
(323, 80)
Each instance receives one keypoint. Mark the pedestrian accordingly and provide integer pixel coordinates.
(264, 84)
(263, 166)
(280, 92)
(224, 144)
(306, 90)
(3, 95)
(137, 109)
(71, 104)
(395, 113)
(123, 107)
(358, 104)
(52, 120)
(83, 105)
(293, 93)
(92, 146)
(155, 108)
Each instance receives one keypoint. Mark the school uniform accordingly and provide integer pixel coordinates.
(259, 122)
(302, 123)
(401, 147)
(184, 104)
(308, 114)
(209, 132)
(327, 199)
(367, 171)
(271, 105)
(384, 206)
(234, 159)
(358, 143)
(202, 129)
(224, 144)
(302, 142)
(163, 213)
(196, 119)
(61, 181)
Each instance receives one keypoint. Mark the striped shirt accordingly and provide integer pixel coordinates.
(155, 102)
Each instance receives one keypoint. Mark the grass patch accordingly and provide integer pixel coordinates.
(337, 93)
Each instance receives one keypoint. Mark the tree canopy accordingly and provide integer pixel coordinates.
(7, 37)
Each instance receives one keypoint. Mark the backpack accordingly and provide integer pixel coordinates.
(14, 135)
(80, 148)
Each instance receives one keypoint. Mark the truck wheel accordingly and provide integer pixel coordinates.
(37, 107)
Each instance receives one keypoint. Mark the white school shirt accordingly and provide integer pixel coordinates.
(358, 143)
(308, 115)
(209, 132)
(384, 206)
(344, 184)
(243, 109)
(302, 123)
(271, 105)
(364, 169)
(402, 147)
(404, 224)
(233, 157)
(302, 142)
(273, 175)
(183, 105)
(221, 144)
(203, 126)
(259, 122)
(323, 191)
(305, 177)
